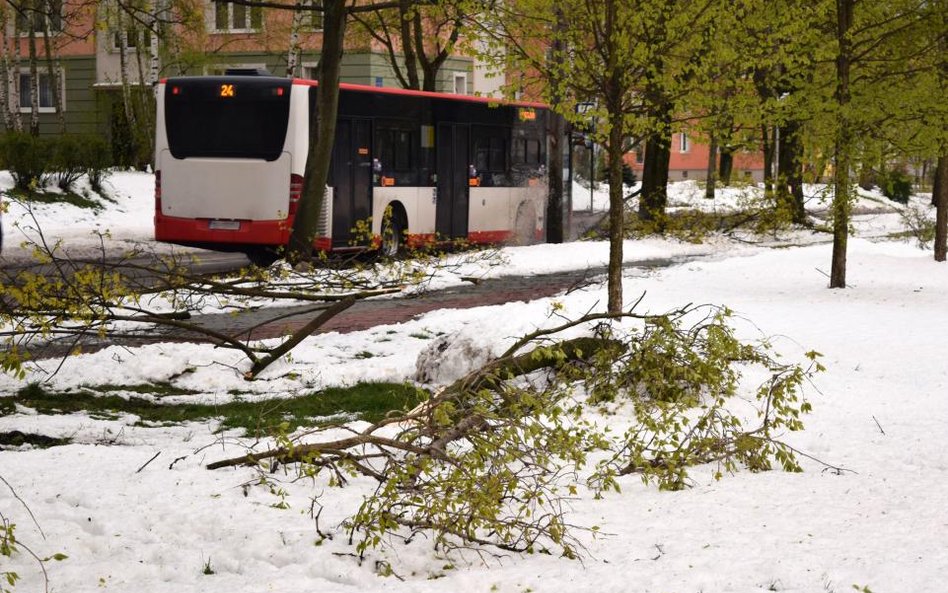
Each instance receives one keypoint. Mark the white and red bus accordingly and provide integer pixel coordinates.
(231, 152)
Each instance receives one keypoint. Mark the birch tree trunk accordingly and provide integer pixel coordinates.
(15, 79)
(55, 73)
(292, 55)
(10, 109)
(34, 75)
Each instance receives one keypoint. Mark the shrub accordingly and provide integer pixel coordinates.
(26, 157)
(66, 160)
(897, 186)
(97, 158)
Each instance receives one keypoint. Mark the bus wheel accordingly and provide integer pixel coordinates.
(393, 232)
(262, 257)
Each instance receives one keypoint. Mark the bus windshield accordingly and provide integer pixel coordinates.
(227, 117)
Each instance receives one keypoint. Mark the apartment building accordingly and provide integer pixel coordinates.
(95, 49)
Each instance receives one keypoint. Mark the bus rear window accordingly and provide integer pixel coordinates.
(227, 117)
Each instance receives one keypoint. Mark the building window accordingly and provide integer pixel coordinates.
(683, 142)
(133, 39)
(237, 17)
(309, 71)
(40, 12)
(46, 103)
(312, 19)
(460, 84)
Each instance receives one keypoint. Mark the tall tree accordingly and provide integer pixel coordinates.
(336, 15)
(888, 63)
(418, 37)
(940, 194)
(610, 55)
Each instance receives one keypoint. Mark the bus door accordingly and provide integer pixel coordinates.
(454, 162)
(351, 178)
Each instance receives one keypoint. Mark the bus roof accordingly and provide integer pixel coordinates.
(364, 88)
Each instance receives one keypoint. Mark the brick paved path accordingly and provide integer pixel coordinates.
(370, 313)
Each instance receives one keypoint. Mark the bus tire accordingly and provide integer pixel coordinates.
(394, 227)
(262, 257)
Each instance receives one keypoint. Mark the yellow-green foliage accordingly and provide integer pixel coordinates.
(493, 459)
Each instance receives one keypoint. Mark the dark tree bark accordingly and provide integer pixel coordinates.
(408, 48)
(323, 128)
(614, 91)
(940, 195)
(844, 142)
(790, 180)
(726, 165)
(711, 179)
(939, 179)
(555, 227)
(654, 194)
(768, 160)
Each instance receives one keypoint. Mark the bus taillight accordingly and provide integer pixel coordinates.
(296, 191)
(158, 192)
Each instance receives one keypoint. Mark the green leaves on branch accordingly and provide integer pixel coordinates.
(494, 459)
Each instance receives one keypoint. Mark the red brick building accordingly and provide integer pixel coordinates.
(689, 160)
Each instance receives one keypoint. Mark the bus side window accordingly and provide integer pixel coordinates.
(394, 150)
(490, 156)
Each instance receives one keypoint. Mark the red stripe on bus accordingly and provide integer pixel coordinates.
(364, 88)
(489, 237)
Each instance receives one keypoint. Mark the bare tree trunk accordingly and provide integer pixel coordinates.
(123, 72)
(790, 178)
(654, 194)
(34, 76)
(145, 112)
(936, 183)
(940, 195)
(726, 165)
(55, 74)
(154, 45)
(844, 141)
(711, 178)
(408, 44)
(9, 108)
(768, 160)
(794, 150)
(323, 129)
(15, 79)
(616, 215)
(613, 99)
(555, 228)
(293, 53)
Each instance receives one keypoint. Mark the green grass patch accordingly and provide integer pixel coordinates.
(366, 401)
(49, 197)
(15, 438)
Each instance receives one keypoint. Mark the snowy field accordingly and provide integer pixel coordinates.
(880, 411)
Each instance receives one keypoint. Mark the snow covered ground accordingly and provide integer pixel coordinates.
(880, 410)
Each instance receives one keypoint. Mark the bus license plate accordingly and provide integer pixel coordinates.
(224, 225)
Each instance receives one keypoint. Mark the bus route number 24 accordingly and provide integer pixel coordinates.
(227, 91)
